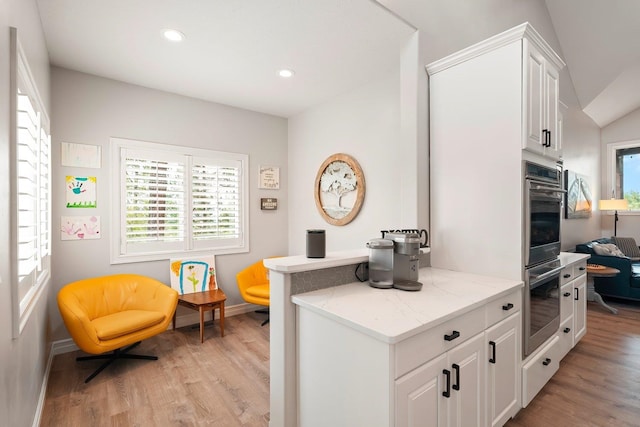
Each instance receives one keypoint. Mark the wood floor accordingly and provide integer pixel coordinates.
(222, 382)
(225, 381)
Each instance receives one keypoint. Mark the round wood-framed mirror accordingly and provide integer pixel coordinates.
(339, 189)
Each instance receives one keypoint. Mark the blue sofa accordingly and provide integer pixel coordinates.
(625, 285)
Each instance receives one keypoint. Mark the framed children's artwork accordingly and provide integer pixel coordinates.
(80, 227)
(193, 274)
(81, 191)
(80, 155)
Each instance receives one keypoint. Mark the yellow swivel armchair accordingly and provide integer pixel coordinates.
(106, 314)
(253, 283)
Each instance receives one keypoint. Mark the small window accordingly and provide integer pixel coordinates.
(171, 200)
(624, 173)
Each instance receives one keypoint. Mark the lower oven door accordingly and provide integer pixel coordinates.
(541, 305)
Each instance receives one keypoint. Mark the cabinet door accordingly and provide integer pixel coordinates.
(551, 116)
(419, 395)
(467, 402)
(503, 373)
(533, 75)
(580, 308)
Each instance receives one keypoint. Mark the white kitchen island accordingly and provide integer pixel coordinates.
(350, 354)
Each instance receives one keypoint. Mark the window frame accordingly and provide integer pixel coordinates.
(612, 149)
(119, 254)
(24, 301)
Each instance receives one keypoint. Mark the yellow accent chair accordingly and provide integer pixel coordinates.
(253, 283)
(114, 313)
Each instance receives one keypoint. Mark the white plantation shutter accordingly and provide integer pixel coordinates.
(154, 202)
(216, 203)
(30, 195)
(177, 199)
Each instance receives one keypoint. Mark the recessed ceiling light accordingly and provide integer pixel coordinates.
(286, 73)
(173, 35)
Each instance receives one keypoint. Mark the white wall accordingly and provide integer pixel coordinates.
(447, 26)
(626, 128)
(365, 124)
(89, 110)
(22, 360)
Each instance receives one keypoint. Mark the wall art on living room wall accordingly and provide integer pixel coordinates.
(81, 191)
(339, 189)
(193, 274)
(79, 227)
(579, 201)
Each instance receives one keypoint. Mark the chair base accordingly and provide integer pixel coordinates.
(264, 311)
(121, 353)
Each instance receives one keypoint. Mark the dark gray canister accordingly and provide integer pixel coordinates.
(316, 243)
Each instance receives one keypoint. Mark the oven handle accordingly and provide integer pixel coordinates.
(551, 189)
(544, 276)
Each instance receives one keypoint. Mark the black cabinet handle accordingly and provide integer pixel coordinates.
(566, 276)
(453, 336)
(566, 294)
(577, 297)
(546, 361)
(547, 138)
(567, 330)
(582, 268)
(447, 374)
(507, 307)
(493, 352)
(456, 367)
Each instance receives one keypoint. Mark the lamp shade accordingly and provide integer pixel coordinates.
(613, 204)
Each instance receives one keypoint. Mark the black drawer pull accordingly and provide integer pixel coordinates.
(546, 361)
(577, 297)
(447, 392)
(453, 336)
(456, 367)
(493, 352)
(582, 269)
(507, 307)
(566, 276)
(567, 330)
(566, 294)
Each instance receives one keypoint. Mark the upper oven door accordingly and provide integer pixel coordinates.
(542, 222)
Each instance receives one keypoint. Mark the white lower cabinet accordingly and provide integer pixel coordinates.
(503, 374)
(447, 391)
(539, 370)
(580, 308)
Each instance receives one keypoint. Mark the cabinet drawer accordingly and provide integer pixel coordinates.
(566, 275)
(504, 307)
(539, 370)
(416, 350)
(580, 268)
(566, 337)
(566, 301)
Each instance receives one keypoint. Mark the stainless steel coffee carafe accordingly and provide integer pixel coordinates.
(380, 263)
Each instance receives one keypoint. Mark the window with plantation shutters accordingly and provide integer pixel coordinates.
(174, 199)
(31, 190)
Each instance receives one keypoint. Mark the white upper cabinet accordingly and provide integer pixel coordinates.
(540, 82)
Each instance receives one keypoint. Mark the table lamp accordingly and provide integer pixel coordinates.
(613, 205)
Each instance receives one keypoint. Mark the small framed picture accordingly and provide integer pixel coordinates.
(269, 178)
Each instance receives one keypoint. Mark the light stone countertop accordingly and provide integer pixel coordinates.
(392, 315)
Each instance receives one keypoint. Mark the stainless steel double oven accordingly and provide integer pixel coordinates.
(543, 195)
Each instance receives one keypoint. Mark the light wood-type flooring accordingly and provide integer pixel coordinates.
(225, 381)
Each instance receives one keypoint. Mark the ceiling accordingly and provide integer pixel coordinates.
(600, 41)
(234, 49)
